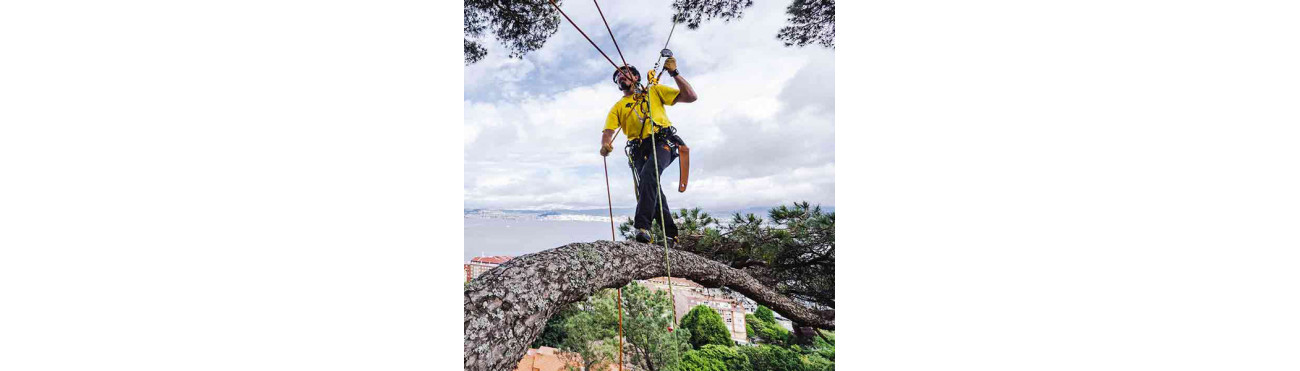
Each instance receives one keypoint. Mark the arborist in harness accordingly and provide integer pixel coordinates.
(640, 114)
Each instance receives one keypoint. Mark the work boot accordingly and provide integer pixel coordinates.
(642, 236)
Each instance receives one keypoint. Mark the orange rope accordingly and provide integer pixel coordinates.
(584, 35)
(620, 329)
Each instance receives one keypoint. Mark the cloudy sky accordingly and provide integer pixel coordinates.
(761, 134)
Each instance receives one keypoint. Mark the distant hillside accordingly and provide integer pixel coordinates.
(599, 215)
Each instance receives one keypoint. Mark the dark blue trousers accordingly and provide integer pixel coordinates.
(647, 173)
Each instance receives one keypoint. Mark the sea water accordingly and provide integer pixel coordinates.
(517, 235)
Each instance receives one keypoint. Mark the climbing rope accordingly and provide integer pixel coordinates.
(620, 329)
(645, 116)
(663, 225)
(662, 54)
(609, 198)
(584, 34)
(611, 32)
(614, 237)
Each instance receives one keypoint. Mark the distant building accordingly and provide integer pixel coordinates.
(679, 284)
(548, 359)
(750, 305)
(783, 321)
(688, 294)
(479, 265)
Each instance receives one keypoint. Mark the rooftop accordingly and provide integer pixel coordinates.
(676, 282)
(498, 259)
(548, 359)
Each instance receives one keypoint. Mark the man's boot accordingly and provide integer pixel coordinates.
(642, 235)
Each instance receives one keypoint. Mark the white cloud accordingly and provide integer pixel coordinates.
(761, 134)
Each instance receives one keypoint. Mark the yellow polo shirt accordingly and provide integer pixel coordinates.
(626, 115)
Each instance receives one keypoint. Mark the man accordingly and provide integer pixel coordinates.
(629, 114)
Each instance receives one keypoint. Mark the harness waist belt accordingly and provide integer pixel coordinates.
(669, 136)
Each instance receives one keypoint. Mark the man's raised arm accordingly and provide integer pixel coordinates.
(685, 93)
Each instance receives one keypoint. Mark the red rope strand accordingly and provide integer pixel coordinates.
(584, 35)
(611, 32)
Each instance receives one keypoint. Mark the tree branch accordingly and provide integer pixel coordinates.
(507, 307)
(749, 263)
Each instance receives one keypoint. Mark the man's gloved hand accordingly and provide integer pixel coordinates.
(606, 148)
(670, 65)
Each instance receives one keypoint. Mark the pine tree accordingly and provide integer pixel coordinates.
(646, 319)
(591, 330)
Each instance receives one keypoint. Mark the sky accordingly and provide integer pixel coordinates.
(761, 134)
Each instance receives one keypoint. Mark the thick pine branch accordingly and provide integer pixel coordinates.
(507, 307)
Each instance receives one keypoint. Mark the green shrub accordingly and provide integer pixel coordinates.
(772, 358)
(706, 327)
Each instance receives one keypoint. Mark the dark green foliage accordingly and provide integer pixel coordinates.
(521, 26)
(816, 363)
(553, 334)
(646, 319)
(810, 22)
(772, 358)
(776, 358)
(793, 251)
(730, 356)
(706, 327)
(765, 328)
(689, 222)
(774, 334)
(591, 330)
(767, 332)
(474, 51)
(694, 361)
(823, 347)
(695, 12)
(628, 233)
(694, 221)
(773, 351)
(820, 354)
(587, 328)
(800, 251)
(716, 357)
(765, 314)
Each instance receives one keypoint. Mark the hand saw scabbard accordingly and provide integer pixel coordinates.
(685, 163)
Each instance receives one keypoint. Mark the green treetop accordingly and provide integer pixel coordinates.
(646, 319)
(706, 327)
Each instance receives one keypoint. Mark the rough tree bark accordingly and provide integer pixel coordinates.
(507, 307)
